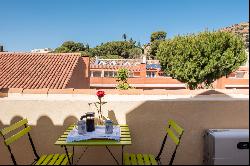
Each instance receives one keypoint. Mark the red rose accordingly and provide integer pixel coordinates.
(100, 93)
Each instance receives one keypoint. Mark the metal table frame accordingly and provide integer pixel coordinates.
(125, 139)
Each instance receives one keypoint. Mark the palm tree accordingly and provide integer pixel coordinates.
(87, 47)
(124, 36)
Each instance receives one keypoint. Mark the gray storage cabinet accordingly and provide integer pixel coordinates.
(226, 147)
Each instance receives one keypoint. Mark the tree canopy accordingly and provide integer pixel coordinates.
(109, 50)
(201, 59)
(159, 35)
(135, 53)
(123, 49)
(153, 48)
(156, 38)
(71, 46)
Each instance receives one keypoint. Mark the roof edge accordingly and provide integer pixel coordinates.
(198, 92)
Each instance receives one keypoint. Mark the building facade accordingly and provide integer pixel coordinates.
(147, 74)
(42, 50)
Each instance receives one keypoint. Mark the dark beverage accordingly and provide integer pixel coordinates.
(90, 125)
(90, 121)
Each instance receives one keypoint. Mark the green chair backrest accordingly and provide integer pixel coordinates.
(24, 129)
(177, 129)
(174, 132)
(13, 127)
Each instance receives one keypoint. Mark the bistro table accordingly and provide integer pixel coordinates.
(125, 139)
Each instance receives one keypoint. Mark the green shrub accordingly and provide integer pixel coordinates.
(122, 76)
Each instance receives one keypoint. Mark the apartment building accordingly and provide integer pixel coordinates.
(147, 74)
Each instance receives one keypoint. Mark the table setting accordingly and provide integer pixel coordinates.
(85, 128)
(95, 131)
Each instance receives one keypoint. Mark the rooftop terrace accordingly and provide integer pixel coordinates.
(146, 112)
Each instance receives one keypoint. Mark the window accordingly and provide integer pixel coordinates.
(240, 74)
(130, 74)
(150, 74)
(106, 74)
(237, 74)
(96, 73)
(110, 73)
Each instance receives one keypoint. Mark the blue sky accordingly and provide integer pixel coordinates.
(29, 24)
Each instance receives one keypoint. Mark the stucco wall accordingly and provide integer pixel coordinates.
(147, 119)
(80, 77)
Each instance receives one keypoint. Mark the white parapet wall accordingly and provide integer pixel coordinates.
(146, 115)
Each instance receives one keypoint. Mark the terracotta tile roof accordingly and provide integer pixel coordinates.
(36, 70)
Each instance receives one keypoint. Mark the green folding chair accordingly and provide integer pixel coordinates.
(149, 159)
(51, 159)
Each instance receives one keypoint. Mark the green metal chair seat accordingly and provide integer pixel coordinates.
(174, 132)
(139, 159)
(53, 159)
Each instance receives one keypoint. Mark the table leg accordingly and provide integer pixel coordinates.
(122, 153)
(73, 154)
(112, 155)
(67, 154)
(81, 155)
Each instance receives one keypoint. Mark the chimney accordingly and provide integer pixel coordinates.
(1, 48)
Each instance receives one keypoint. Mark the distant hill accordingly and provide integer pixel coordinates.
(241, 29)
